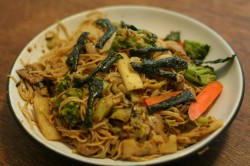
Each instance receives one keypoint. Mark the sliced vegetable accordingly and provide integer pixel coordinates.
(196, 50)
(150, 38)
(67, 105)
(50, 38)
(170, 146)
(182, 97)
(133, 97)
(73, 58)
(122, 114)
(154, 84)
(63, 85)
(201, 75)
(130, 77)
(103, 108)
(174, 36)
(31, 77)
(202, 120)
(106, 88)
(204, 99)
(42, 111)
(128, 38)
(70, 114)
(203, 131)
(110, 30)
(95, 91)
(154, 100)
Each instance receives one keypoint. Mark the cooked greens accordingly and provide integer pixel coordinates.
(174, 36)
(196, 50)
(69, 113)
(63, 85)
(201, 75)
(133, 38)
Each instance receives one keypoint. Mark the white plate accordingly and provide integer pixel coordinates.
(160, 22)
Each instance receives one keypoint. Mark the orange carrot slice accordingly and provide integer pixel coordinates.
(204, 99)
(154, 100)
(181, 44)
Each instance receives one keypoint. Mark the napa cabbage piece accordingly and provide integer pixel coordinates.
(122, 114)
(103, 108)
(157, 144)
(42, 111)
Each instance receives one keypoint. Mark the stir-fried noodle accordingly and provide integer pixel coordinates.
(114, 123)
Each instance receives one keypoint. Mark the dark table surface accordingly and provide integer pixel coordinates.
(21, 20)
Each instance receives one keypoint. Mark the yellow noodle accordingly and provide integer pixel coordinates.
(25, 91)
(172, 114)
(69, 99)
(27, 114)
(118, 151)
(144, 158)
(13, 78)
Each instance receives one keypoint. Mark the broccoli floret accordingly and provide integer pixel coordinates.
(74, 92)
(128, 38)
(70, 113)
(196, 50)
(149, 38)
(201, 75)
(63, 85)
